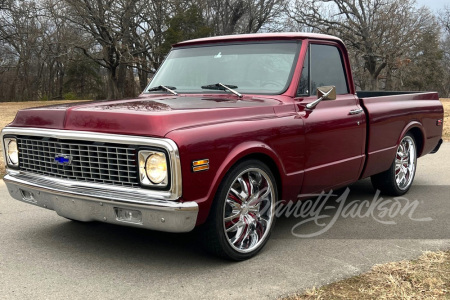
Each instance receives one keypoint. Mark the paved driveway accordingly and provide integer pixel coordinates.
(44, 256)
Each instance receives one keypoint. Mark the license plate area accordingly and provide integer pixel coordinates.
(128, 215)
(28, 196)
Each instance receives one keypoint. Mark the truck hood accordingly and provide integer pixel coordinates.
(147, 115)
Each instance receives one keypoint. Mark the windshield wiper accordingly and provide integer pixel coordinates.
(164, 88)
(223, 87)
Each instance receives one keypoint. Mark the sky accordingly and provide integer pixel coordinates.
(434, 5)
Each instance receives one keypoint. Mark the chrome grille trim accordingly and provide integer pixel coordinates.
(106, 163)
(68, 136)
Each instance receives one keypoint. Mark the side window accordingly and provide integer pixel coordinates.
(327, 68)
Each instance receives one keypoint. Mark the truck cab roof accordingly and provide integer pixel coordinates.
(259, 37)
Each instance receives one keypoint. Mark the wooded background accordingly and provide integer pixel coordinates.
(94, 49)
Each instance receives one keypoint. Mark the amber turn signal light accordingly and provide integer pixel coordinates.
(200, 165)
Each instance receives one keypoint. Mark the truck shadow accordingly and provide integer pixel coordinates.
(360, 212)
(150, 249)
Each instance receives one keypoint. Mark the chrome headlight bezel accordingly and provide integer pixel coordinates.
(7, 143)
(144, 155)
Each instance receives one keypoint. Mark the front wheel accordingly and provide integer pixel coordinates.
(398, 179)
(243, 213)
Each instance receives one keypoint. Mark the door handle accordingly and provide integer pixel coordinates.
(355, 111)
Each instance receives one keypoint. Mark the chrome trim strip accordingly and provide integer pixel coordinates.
(173, 193)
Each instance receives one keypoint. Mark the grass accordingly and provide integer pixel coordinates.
(8, 111)
(446, 133)
(427, 277)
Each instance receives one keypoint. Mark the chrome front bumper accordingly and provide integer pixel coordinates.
(78, 203)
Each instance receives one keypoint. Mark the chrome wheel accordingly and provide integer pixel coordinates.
(249, 210)
(405, 163)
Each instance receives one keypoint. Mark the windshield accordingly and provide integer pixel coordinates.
(258, 68)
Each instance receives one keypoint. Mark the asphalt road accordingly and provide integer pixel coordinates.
(44, 256)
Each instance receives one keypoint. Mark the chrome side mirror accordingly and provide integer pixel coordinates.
(323, 93)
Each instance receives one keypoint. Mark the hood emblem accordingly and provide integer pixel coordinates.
(63, 159)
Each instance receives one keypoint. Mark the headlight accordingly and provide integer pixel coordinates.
(156, 167)
(153, 168)
(12, 152)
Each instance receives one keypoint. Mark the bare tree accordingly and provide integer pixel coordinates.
(423, 70)
(41, 41)
(445, 19)
(21, 33)
(377, 31)
(240, 16)
(109, 24)
(150, 25)
(445, 46)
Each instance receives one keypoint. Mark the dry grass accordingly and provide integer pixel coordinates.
(428, 277)
(446, 133)
(8, 111)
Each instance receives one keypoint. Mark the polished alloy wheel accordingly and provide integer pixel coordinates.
(249, 210)
(405, 163)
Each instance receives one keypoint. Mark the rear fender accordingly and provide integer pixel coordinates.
(419, 143)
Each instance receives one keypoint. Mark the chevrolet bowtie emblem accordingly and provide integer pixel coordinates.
(63, 159)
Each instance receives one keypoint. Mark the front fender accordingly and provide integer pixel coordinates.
(246, 149)
(225, 144)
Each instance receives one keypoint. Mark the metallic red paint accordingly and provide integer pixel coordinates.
(308, 150)
(391, 117)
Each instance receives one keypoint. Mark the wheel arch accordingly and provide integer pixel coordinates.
(418, 132)
(250, 150)
(267, 160)
(244, 151)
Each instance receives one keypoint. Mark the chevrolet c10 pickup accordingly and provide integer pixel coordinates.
(228, 127)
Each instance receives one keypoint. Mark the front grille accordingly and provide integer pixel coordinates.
(90, 161)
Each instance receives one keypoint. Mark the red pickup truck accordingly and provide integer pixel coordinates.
(227, 127)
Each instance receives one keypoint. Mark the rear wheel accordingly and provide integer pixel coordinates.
(398, 179)
(243, 213)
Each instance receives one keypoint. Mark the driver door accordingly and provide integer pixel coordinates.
(335, 130)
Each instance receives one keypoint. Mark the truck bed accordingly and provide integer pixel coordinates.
(390, 115)
(370, 94)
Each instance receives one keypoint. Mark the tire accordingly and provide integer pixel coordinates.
(243, 212)
(398, 179)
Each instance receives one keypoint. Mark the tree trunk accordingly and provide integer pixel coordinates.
(121, 79)
(388, 84)
(113, 92)
(373, 82)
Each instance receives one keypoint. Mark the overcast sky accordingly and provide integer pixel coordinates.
(434, 5)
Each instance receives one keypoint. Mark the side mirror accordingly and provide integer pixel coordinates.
(323, 93)
(326, 92)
